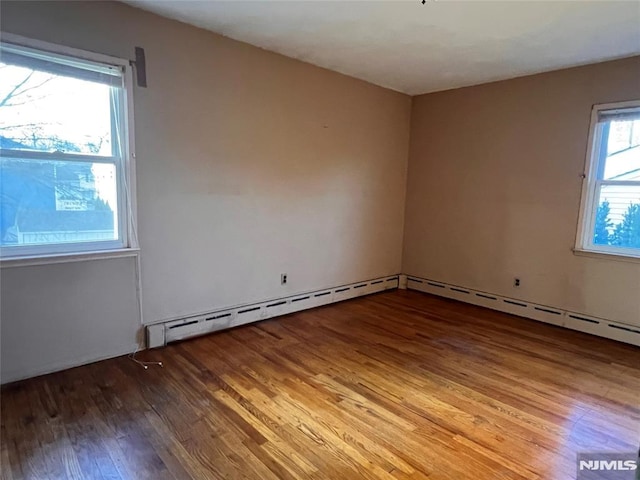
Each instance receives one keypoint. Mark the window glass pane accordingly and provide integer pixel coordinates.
(623, 150)
(617, 220)
(47, 112)
(49, 202)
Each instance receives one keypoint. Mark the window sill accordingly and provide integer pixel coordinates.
(616, 257)
(33, 260)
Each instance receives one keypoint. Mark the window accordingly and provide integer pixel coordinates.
(610, 211)
(65, 166)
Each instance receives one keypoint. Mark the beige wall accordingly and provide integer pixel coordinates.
(59, 316)
(494, 190)
(249, 165)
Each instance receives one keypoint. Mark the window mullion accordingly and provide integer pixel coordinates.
(620, 183)
(58, 156)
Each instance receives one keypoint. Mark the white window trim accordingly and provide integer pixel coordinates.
(34, 260)
(584, 239)
(90, 250)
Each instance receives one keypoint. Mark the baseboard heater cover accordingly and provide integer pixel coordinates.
(542, 313)
(160, 334)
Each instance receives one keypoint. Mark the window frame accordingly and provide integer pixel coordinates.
(592, 183)
(125, 169)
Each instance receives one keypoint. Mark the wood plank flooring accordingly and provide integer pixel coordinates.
(399, 385)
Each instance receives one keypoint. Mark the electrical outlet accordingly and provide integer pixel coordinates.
(516, 282)
(283, 278)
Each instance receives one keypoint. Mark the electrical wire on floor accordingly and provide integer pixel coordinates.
(144, 365)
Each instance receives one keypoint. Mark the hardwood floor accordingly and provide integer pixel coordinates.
(399, 385)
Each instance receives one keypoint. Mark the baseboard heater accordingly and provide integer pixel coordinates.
(555, 316)
(160, 334)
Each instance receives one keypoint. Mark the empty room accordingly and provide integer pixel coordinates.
(320, 240)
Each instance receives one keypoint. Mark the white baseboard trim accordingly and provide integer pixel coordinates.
(22, 374)
(542, 313)
(160, 334)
